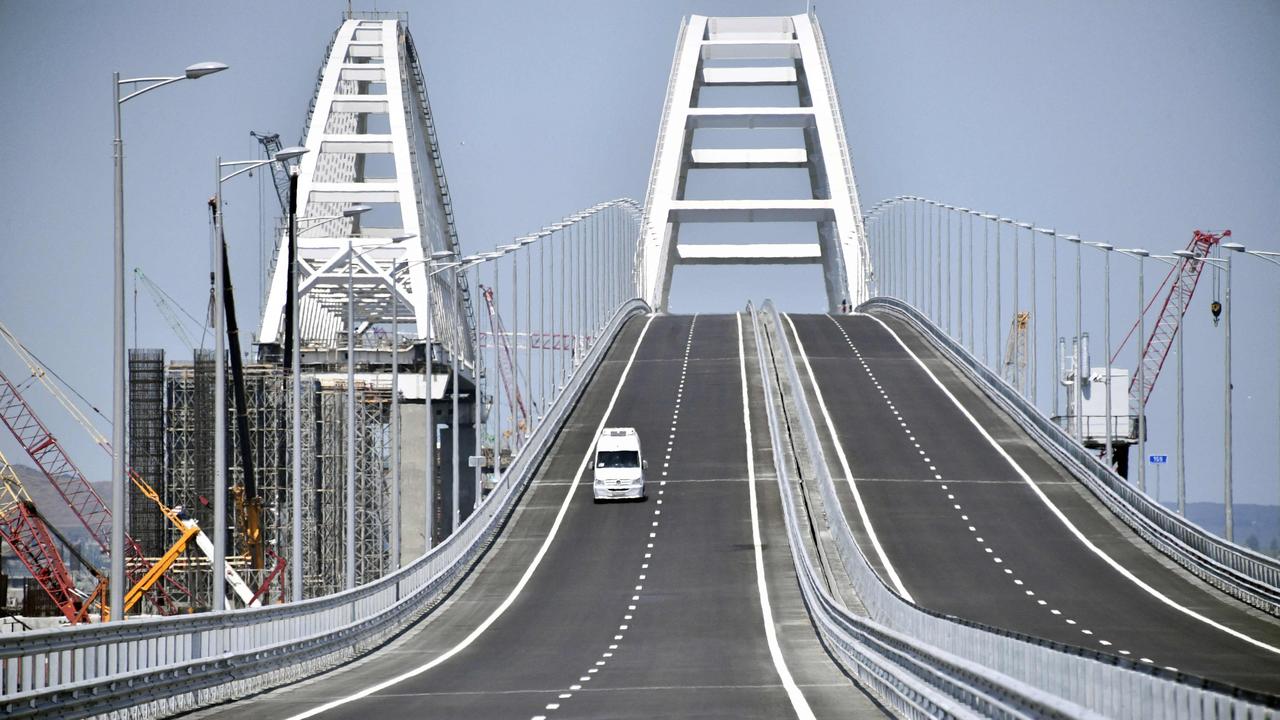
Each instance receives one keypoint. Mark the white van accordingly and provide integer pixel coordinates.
(619, 467)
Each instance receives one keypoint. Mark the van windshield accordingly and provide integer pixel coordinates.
(618, 459)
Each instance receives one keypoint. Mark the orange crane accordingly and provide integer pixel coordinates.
(47, 453)
(141, 575)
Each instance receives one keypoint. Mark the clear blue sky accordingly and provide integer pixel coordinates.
(1131, 123)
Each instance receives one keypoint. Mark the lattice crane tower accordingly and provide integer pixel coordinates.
(372, 142)
(754, 51)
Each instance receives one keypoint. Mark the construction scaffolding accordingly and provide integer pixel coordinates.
(189, 478)
(146, 446)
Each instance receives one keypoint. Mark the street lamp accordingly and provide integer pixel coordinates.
(1274, 259)
(1033, 322)
(119, 480)
(351, 415)
(1227, 491)
(1141, 255)
(220, 370)
(1077, 389)
(295, 364)
(1106, 303)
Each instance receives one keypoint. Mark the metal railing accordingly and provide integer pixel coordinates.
(161, 666)
(1247, 575)
(915, 680)
(1016, 674)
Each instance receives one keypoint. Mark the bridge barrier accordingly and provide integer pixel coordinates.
(991, 671)
(155, 667)
(1247, 575)
(916, 680)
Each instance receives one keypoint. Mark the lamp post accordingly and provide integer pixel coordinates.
(396, 483)
(1106, 319)
(119, 478)
(1033, 323)
(1181, 417)
(496, 406)
(295, 366)
(351, 418)
(1227, 490)
(395, 418)
(218, 600)
(999, 281)
(1274, 259)
(1141, 255)
(1078, 389)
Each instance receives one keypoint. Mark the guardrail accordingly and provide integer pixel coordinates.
(167, 665)
(1249, 576)
(916, 680)
(1013, 674)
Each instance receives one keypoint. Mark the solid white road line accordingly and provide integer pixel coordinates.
(524, 579)
(1061, 516)
(798, 702)
(848, 474)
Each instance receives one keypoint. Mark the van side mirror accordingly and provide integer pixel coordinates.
(644, 464)
(591, 464)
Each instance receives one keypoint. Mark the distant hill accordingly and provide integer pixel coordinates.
(1256, 526)
(51, 504)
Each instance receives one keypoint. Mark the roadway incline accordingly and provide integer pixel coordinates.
(964, 533)
(636, 609)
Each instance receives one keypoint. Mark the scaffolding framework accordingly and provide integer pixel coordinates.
(189, 471)
(146, 445)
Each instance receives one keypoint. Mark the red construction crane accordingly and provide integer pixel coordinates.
(506, 366)
(1181, 282)
(47, 453)
(25, 531)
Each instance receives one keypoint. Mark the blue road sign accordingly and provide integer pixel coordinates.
(1157, 459)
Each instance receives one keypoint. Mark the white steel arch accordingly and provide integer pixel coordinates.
(754, 51)
(372, 142)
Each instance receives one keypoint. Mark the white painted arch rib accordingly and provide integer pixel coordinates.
(745, 51)
(751, 211)
(371, 70)
(749, 157)
(748, 118)
(750, 254)
(750, 50)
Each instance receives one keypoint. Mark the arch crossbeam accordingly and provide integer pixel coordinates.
(754, 52)
(372, 142)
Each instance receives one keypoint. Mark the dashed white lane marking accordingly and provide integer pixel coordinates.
(1062, 516)
(798, 701)
(524, 579)
(911, 437)
(848, 474)
(609, 652)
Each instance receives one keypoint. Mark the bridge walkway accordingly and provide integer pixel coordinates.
(607, 626)
(967, 535)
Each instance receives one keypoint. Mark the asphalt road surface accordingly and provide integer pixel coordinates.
(965, 533)
(635, 609)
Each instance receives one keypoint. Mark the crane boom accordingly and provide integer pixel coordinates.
(279, 174)
(136, 571)
(506, 366)
(27, 534)
(47, 453)
(163, 303)
(1181, 282)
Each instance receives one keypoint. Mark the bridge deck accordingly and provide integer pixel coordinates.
(690, 636)
(968, 536)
